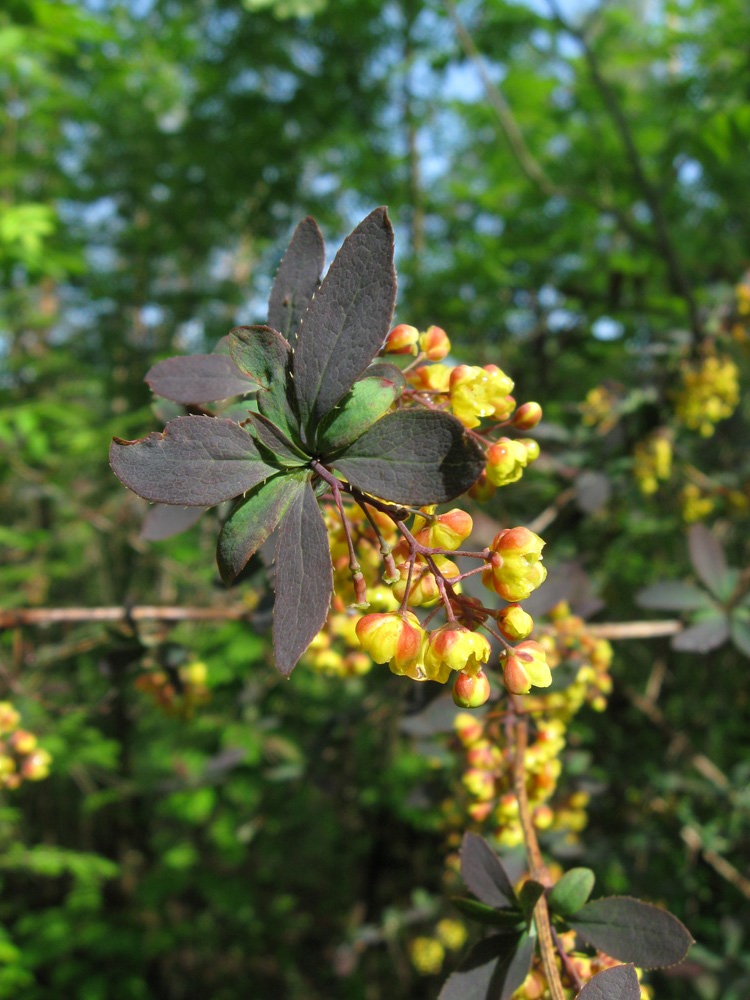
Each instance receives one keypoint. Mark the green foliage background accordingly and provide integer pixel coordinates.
(577, 228)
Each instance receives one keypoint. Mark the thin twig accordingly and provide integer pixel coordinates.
(71, 616)
(636, 630)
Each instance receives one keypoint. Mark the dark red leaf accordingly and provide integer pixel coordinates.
(494, 969)
(304, 580)
(269, 435)
(297, 278)
(413, 457)
(632, 931)
(673, 595)
(198, 378)
(483, 873)
(704, 636)
(253, 520)
(264, 355)
(620, 983)
(707, 557)
(165, 521)
(196, 462)
(347, 321)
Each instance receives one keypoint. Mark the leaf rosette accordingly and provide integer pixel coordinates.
(315, 411)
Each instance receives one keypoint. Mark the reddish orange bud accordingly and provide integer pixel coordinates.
(468, 729)
(435, 343)
(515, 568)
(526, 665)
(22, 741)
(506, 460)
(446, 531)
(456, 648)
(514, 623)
(527, 416)
(403, 339)
(392, 638)
(471, 691)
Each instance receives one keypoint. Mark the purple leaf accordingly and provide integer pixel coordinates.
(632, 931)
(297, 278)
(253, 520)
(304, 580)
(740, 630)
(198, 378)
(264, 356)
(673, 595)
(707, 557)
(620, 983)
(703, 637)
(483, 873)
(165, 521)
(348, 319)
(413, 457)
(196, 462)
(269, 435)
(494, 969)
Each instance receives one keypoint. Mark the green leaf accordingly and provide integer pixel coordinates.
(568, 895)
(347, 321)
(708, 558)
(284, 451)
(508, 919)
(413, 457)
(369, 400)
(620, 983)
(483, 873)
(195, 462)
(494, 969)
(529, 895)
(304, 579)
(297, 279)
(253, 520)
(632, 931)
(673, 595)
(264, 355)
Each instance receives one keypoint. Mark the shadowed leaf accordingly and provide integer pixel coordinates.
(509, 919)
(673, 595)
(264, 355)
(707, 557)
(195, 462)
(740, 632)
(494, 969)
(297, 278)
(528, 896)
(413, 457)
(165, 521)
(632, 931)
(568, 895)
(483, 873)
(198, 378)
(347, 321)
(253, 520)
(704, 636)
(620, 983)
(369, 400)
(269, 435)
(304, 580)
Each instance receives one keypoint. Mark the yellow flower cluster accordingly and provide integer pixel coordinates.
(599, 409)
(710, 392)
(428, 953)
(695, 503)
(535, 985)
(180, 694)
(652, 462)
(488, 778)
(21, 759)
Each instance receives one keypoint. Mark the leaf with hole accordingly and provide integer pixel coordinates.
(195, 462)
(297, 279)
(253, 520)
(413, 457)
(632, 931)
(347, 321)
(304, 579)
(620, 983)
(164, 521)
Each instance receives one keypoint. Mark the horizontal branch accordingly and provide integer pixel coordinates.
(51, 616)
(635, 630)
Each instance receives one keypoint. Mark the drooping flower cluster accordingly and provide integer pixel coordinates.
(709, 393)
(652, 461)
(21, 758)
(488, 778)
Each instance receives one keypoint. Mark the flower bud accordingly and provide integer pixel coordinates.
(468, 729)
(514, 623)
(9, 717)
(471, 691)
(431, 378)
(532, 448)
(446, 531)
(456, 648)
(478, 392)
(435, 343)
(526, 666)
(392, 638)
(403, 339)
(479, 784)
(527, 416)
(36, 765)
(506, 460)
(22, 741)
(515, 568)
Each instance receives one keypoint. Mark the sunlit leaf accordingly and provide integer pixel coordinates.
(297, 279)
(413, 457)
(198, 378)
(195, 462)
(368, 400)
